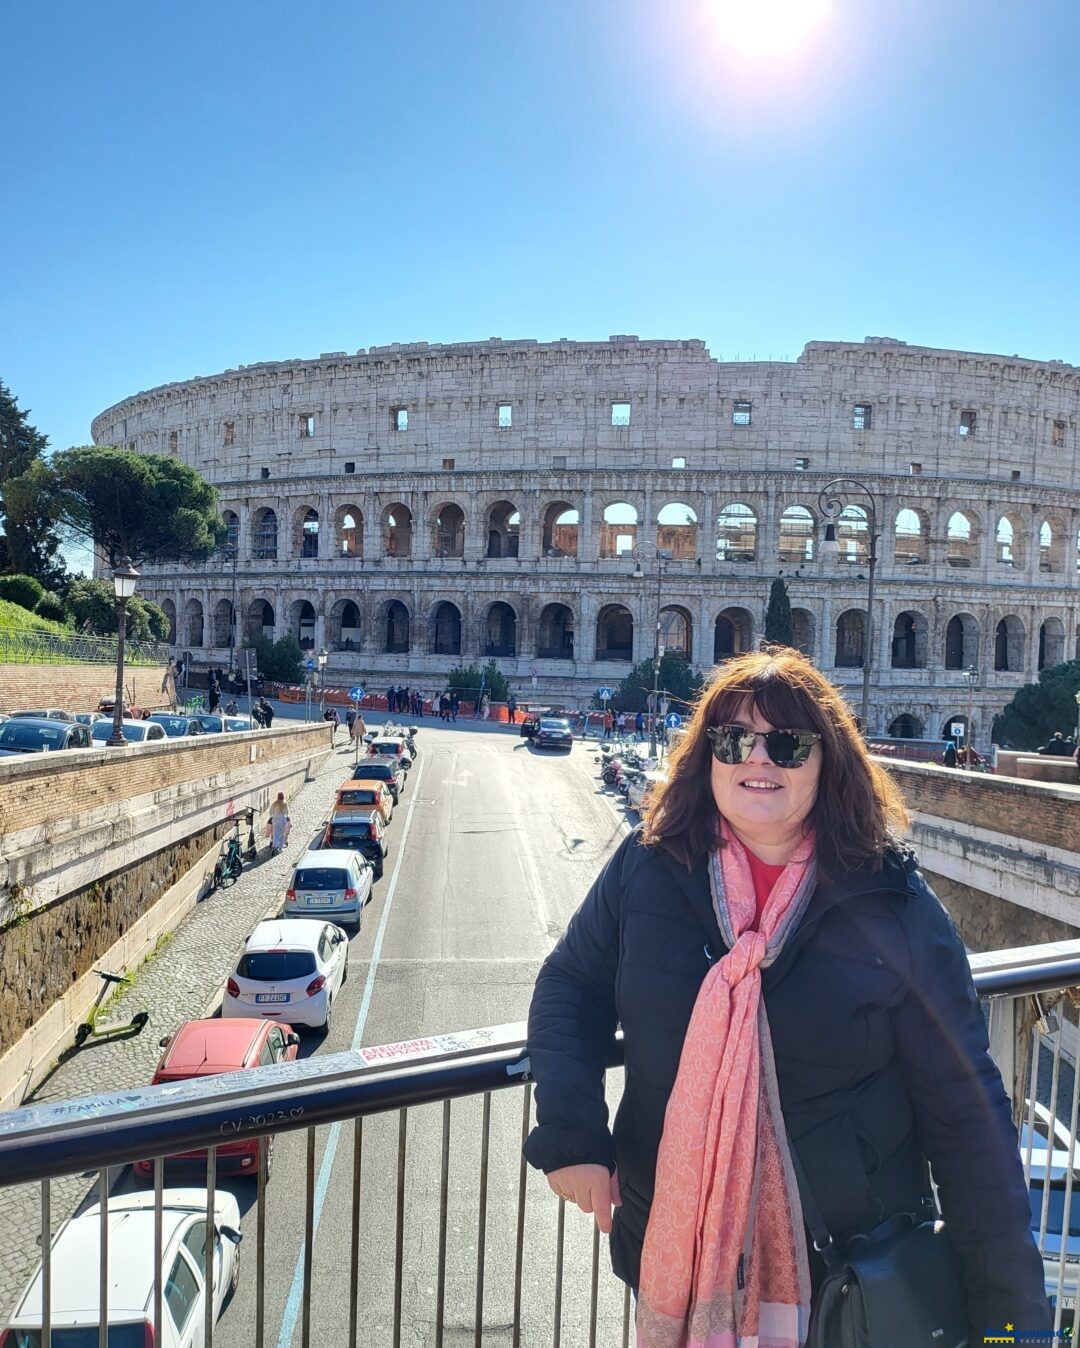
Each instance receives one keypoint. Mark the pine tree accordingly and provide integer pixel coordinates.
(29, 545)
(779, 628)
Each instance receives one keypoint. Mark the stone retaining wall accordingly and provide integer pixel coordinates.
(77, 687)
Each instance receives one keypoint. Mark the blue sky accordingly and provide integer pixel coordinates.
(195, 185)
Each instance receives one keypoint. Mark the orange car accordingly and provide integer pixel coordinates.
(369, 793)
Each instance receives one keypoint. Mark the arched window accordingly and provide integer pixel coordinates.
(614, 633)
(397, 531)
(1009, 644)
(960, 544)
(853, 535)
(448, 537)
(910, 537)
(676, 531)
(909, 641)
(850, 639)
(1006, 538)
(169, 609)
(397, 628)
(562, 523)
(445, 635)
(345, 630)
(193, 622)
(232, 532)
(260, 620)
(501, 630)
(736, 534)
(676, 631)
(1052, 546)
(304, 620)
(264, 540)
(349, 528)
(223, 624)
(309, 533)
(618, 532)
(733, 633)
(503, 530)
(802, 629)
(796, 536)
(906, 727)
(556, 633)
(961, 642)
(1051, 643)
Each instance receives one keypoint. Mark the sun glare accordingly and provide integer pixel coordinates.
(769, 27)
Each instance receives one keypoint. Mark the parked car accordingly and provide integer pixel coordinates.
(330, 882)
(45, 714)
(386, 770)
(375, 795)
(359, 829)
(87, 717)
(135, 732)
(203, 1048)
(291, 969)
(177, 727)
(129, 1310)
(214, 724)
(23, 736)
(392, 748)
(236, 724)
(553, 733)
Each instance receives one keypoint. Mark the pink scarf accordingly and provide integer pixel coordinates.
(724, 1262)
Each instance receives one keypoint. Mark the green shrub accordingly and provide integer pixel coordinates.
(22, 590)
(279, 661)
(51, 606)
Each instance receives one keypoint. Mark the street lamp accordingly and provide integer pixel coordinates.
(639, 574)
(833, 501)
(125, 578)
(1078, 717)
(322, 658)
(972, 676)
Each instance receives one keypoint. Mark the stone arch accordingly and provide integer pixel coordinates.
(302, 623)
(193, 622)
(803, 631)
(961, 641)
(619, 530)
(911, 536)
(1052, 539)
(555, 633)
(444, 629)
(1051, 643)
(614, 633)
(394, 622)
(1009, 641)
(850, 639)
(676, 530)
(232, 532)
(306, 527)
(260, 620)
(853, 535)
(349, 531)
(562, 529)
(909, 640)
(169, 609)
(676, 631)
(962, 539)
(948, 722)
(397, 523)
(500, 629)
(797, 530)
(346, 628)
(223, 624)
(448, 530)
(906, 726)
(503, 530)
(733, 633)
(264, 535)
(736, 533)
(1009, 541)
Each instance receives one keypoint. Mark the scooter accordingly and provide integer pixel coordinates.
(88, 1030)
(230, 864)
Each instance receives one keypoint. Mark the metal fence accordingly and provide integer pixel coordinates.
(436, 1233)
(46, 648)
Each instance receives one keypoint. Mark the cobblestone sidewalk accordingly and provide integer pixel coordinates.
(175, 984)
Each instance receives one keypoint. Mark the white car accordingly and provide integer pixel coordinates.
(330, 882)
(292, 969)
(135, 732)
(130, 1304)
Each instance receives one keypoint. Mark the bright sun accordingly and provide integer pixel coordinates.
(769, 27)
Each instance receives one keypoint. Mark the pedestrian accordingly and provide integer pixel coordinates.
(766, 937)
(1076, 759)
(358, 730)
(1055, 747)
(391, 693)
(231, 709)
(455, 703)
(268, 713)
(511, 709)
(280, 825)
(350, 717)
(609, 723)
(949, 756)
(213, 692)
(331, 715)
(639, 726)
(485, 706)
(620, 723)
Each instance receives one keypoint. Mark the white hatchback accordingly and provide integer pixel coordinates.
(330, 882)
(76, 1251)
(292, 969)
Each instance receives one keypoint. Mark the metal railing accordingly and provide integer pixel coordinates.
(446, 1237)
(19, 647)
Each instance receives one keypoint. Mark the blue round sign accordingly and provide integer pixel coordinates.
(672, 720)
(605, 694)
(310, 664)
(356, 694)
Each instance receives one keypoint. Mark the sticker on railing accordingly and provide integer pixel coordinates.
(461, 1041)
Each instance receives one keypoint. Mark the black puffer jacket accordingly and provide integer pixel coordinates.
(881, 1055)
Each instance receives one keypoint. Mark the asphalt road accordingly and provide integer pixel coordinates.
(492, 848)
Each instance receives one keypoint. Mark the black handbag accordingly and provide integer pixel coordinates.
(897, 1286)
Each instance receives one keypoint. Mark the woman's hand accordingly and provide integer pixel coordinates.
(591, 1187)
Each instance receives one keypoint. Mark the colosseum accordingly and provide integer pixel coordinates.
(549, 504)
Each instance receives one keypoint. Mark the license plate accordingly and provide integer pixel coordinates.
(313, 900)
(271, 996)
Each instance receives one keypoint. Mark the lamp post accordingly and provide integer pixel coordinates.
(125, 578)
(639, 574)
(833, 501)
(972, 676)
(322, 658)
(1078, 717)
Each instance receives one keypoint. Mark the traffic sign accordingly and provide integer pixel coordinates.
(606, 695)
(356, 694)
(672, 720)
(309, 664)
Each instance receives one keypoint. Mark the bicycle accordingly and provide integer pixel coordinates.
(88, 1029)
(230, 864)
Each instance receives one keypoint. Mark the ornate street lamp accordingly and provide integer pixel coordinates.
(972, 676)
(833, 500)
(125, 578)
(322, 658)
(639, 574)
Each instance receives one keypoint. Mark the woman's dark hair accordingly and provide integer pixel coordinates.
(858, 812)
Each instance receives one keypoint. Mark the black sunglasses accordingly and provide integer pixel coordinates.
(787, 748)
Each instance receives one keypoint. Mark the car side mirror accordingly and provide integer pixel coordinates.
(164, 1041)
(338, 938)
(292, 1038)
(231, 1233)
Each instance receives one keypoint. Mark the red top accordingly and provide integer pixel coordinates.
(765, 876)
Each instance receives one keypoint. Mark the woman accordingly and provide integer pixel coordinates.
(784, 977)
(279, 824)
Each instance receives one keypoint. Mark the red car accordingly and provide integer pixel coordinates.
(203, 1048)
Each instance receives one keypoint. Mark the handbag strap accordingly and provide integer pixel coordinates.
(819, 1232)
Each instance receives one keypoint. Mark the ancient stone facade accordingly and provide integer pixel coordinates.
(411, 507)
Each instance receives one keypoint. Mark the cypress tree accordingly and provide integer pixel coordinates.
(779, 628)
